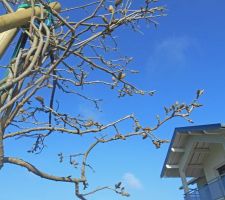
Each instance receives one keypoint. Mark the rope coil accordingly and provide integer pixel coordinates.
(49, 20)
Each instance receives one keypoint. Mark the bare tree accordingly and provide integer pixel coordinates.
(59, 53)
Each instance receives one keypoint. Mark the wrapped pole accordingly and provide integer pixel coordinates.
(10, 23)
(22, 17)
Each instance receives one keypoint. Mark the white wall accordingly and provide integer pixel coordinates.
(215, 159)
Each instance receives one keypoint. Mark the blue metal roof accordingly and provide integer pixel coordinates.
(206, 127)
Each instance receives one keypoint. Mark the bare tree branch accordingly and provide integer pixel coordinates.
(64, 57)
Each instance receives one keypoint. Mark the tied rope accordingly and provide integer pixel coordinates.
(49, 20)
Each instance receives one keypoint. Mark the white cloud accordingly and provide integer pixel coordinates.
(131, 181)
(90, 113)
(172, 53)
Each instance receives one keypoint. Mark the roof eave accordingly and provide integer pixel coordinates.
(183, 130)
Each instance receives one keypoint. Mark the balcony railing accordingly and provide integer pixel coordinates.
(214, 190)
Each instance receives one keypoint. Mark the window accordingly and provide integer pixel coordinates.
(221, 170)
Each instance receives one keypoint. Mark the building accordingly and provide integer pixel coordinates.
(197, 156)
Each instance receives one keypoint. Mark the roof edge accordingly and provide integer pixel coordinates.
(185, 129)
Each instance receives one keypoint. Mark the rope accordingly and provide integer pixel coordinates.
(49, 20)
(27, 5)
(20, 44)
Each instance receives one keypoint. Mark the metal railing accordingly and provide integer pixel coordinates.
(192, 195)
(214, 190)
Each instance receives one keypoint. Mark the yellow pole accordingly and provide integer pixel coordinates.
(9, 24)
(22, 17)
(5, 39)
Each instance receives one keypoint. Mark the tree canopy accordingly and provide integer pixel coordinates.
(62, 55)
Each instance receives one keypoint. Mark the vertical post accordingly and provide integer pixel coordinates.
(223, 145)
(184, 181)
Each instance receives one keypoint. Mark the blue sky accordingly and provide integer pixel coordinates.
(185, 53)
